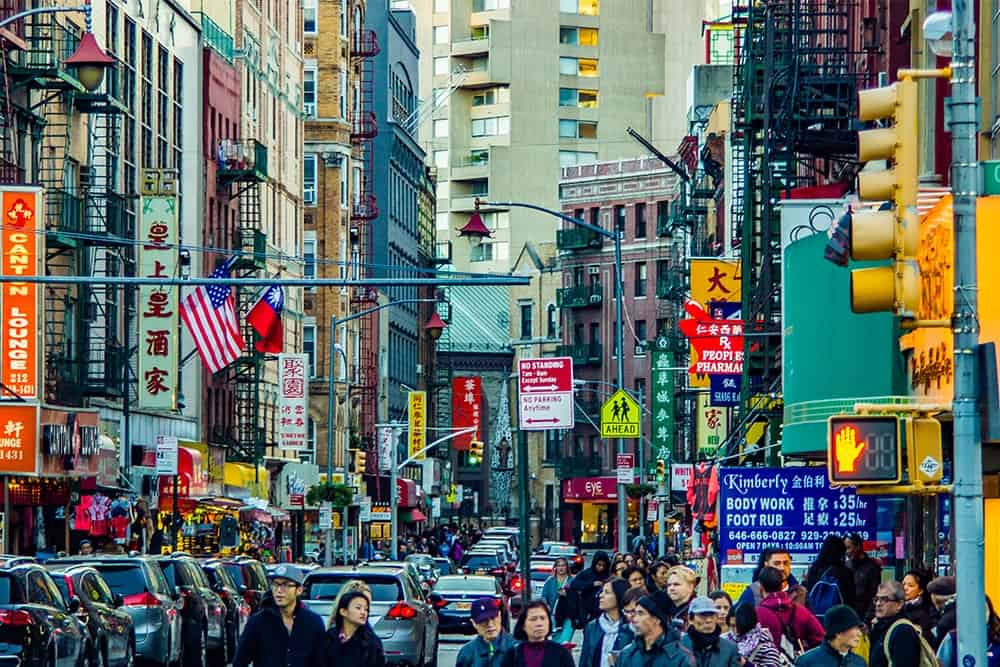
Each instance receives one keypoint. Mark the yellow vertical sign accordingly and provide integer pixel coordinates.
(713, 281)
(713, 426)
(418, 424)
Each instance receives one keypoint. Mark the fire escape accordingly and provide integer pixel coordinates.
(88, 231)
(794, 95)
(364, 129)
(242, 169)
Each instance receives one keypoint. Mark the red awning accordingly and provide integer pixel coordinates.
(417, 516)
(406, 490)
(190, 478)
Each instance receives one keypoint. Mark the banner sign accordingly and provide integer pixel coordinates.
(718, 343)
(293, 401)
(790, 507)
(662, 399)
(466, 409)
(18, 438)
(417, 412)
(712, 426)
(19, 342)
(159, 234)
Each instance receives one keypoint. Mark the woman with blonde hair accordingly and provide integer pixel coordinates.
(351, 586)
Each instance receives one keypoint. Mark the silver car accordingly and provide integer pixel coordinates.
(401, 616)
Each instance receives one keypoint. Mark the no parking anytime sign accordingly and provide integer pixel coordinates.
(790, 507)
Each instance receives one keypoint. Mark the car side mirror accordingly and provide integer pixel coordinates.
(177, 593)
(74, 604)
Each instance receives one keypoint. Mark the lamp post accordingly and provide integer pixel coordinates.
(476, 229)
(331, 400)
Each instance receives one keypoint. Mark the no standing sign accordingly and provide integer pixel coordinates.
(545, 393)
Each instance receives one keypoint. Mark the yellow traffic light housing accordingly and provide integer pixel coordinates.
(475, 451)
(360, 461)
(892, 233)
(661, 470)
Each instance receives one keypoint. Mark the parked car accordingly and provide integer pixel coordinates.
(512, 532)
(486, 562)
(426, 567)
(453, 596)
(237, 608)
(546, 546)
(249, 574)
(571, 553)
(112, 637)
(508, 555)
(153, 604)
(401, 616)
(203, 614)
(37, 627)
(444, 565)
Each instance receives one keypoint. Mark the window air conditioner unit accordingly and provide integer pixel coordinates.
(593, 270)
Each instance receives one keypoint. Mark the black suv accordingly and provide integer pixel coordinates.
(237, 608)
(251, 575)
(112, 637)
(203, 615)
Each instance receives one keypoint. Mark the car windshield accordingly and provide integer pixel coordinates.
(443, 566)
(326, 587)
(464, 585)
(123, 580)
(481, 561)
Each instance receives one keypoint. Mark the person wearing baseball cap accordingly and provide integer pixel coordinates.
(656, 641)
(492, 643)
(284, 633)
(843, 629)
(703, 636)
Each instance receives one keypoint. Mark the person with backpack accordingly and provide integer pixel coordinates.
(828, 582)
(895, 640)
(947, 653)
(844, 629)
(780, 559)
(794, 628)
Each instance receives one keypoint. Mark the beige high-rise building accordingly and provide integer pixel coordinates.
(523, 88)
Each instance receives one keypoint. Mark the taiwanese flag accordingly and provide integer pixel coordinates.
(265, 318)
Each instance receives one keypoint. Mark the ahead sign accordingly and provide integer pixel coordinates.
(545, 393)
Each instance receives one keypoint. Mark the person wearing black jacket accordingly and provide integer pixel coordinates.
(588, 585)
(893, 631)
(867, 575)
(535, 648)
(942, 590)
(830, 563)
(918, 606)
(350, 640)
(283, 633)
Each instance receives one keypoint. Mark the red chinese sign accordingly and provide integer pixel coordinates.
(718, 343)
(466, 409)
(19, 303)
(19, 438)
(158, 258)
(293, 401)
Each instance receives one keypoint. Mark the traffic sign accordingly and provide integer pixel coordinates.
(625, 463)
(620, 416)
(864, 449)
(545, 393)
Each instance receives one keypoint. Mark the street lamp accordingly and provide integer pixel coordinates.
(476, 230)
(435, 325)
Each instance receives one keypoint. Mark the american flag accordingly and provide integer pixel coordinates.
(210, 315)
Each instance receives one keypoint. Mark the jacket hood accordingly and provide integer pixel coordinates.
(601, 556)
(778, 602)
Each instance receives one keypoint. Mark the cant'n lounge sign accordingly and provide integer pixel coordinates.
(20, 241)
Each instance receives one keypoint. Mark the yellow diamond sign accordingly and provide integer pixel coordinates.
(620, 416)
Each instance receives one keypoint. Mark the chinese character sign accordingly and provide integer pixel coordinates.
(713, 426)
(418, 423)
(662, 401)
(293, 401)
(714, 282)
(158, 305)
(718, 343)
(19, 341)
(18, 438)
(466, 409)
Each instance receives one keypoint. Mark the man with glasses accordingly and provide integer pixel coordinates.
(894, 639)
(283, 633)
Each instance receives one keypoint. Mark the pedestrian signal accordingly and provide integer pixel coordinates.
(864, 449)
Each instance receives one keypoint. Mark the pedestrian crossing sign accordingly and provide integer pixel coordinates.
(620, 416)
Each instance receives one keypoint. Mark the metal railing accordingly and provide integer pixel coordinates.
(580, 296)
(217, 39)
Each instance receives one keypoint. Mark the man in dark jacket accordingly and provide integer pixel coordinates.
(703, 637)
(942, 590)
(867, 575)
(656, 641)
(843, 634)
(492, 644)
(893, 631)
(588, 585)
(778, 558)
(283, 633)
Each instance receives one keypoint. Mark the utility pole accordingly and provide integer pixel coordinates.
(968, 486)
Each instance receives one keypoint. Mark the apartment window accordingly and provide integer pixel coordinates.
(441, 65)
(573, 158)
(309, 17)
(578, 97)
(577, 129)
(585, 7)
(552, 442)
(147, 100)
(309, 179)
(442, 34)
(640, 331)
(344, 185)
(441, 6)
(343, 20)
(163, 108)
(309, 346)
(441, 159)
(551, 321)
(441, 222)
(619, 219)
(342, 99)
(526, 327)
(489, 5)
(309, 91)
(595, 216)
(479, 32)
(640, 279)
(441, 127)
(309, 257)
(491, 127)
(491, 96)
(578, 36)
(178, 115)
(479, 64)
(481, 253)
(640, 221)
(578, 66)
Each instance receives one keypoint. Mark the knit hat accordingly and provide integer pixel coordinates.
(840, 618)
(943, 586)
(654, 609)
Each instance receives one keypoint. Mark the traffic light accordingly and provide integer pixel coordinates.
(475, 451)
(893, 231)
(360, 461)
(661, 470)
